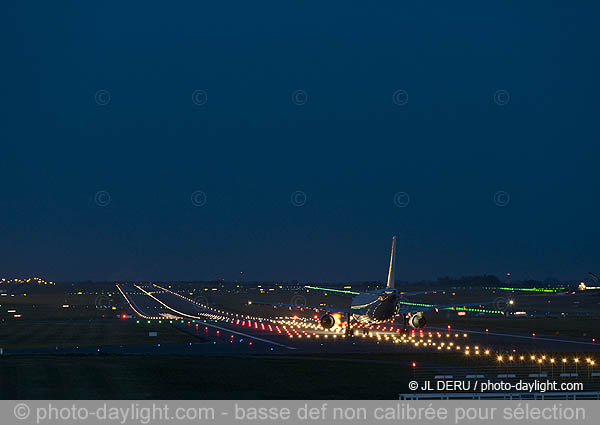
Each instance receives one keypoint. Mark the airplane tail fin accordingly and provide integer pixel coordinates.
(391, 279)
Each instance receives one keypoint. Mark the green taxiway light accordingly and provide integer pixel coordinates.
(505, 288)
(478, 310)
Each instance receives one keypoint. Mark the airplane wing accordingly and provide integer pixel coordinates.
(345, 291)
(302, 306)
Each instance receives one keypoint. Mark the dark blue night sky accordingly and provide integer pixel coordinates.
(494, 139)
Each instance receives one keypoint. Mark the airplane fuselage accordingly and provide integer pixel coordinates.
(374, 308)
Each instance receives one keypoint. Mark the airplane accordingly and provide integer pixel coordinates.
(373, 307)
(583, 287)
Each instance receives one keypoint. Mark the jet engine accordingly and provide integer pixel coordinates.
(327, 321)
(417, 320)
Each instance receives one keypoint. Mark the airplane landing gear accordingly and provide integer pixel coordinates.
(348, 330)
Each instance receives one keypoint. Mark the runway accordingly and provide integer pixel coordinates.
(304, 335)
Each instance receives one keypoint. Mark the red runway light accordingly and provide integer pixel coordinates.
(414, 364)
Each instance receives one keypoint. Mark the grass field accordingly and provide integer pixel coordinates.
(25, 334)
(189, 377)
(47, 304)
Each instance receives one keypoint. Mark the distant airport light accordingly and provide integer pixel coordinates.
(65, 306)
(414, 364)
